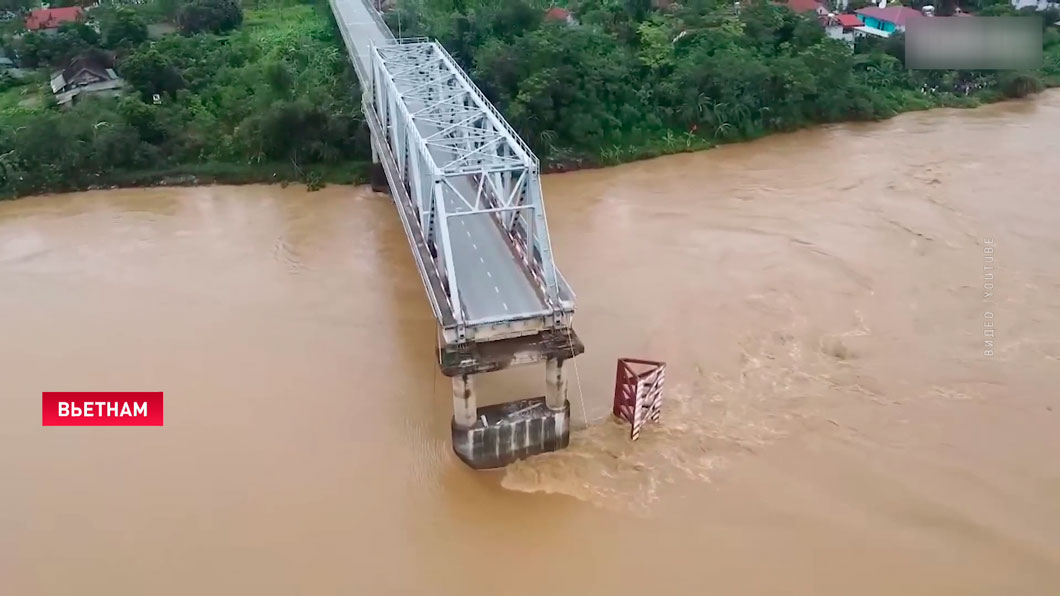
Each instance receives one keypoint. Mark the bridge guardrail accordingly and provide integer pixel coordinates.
(378, 18)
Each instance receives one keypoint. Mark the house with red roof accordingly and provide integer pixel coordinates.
(885, 21)
(560, 14)
(49, 19)
(801, 6)
(843, 27)
(848, 21)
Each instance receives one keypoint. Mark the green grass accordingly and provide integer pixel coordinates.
(10, 99)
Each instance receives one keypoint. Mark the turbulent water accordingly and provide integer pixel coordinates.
(835, 420)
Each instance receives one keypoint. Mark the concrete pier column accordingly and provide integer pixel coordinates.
(377, 175)
(555, 385)
(465, 409)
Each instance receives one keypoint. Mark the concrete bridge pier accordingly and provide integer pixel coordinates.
(495, 436)
(555, 384)
(465, 411)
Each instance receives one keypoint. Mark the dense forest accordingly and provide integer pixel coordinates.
(258, 93)
(262, 90)
(631, 80)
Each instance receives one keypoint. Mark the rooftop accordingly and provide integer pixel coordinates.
(804, 5)
(849, 20)
(899, 15)
(50, 18)
(557, 13)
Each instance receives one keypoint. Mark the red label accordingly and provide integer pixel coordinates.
(102, 408)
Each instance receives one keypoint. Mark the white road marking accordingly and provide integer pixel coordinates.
(496, 289)
(490, 275)
(474, 246)
(468, 234)
(505, 305)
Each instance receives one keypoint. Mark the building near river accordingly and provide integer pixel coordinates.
(804, 6)
(883, 22)
(49, 20)
(88, 74)
(559, 14)
(843, 27)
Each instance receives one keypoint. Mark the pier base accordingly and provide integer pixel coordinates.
(505, 433)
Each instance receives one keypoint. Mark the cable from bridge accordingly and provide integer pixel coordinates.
(577, 377)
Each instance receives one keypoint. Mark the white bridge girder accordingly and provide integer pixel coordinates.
(474, 195)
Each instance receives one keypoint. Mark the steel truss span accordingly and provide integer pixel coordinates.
(472, 196)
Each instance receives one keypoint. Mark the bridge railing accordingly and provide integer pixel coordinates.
(378, 18)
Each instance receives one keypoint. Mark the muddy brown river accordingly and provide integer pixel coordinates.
(836, 422)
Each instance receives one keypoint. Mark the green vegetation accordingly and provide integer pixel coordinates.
(209, 16)
(273, 99)
(630, 80)
(262, 90)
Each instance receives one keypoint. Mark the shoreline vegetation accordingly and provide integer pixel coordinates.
(215, 91)
(218, 91)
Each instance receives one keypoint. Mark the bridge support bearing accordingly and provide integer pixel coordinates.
(505, 433)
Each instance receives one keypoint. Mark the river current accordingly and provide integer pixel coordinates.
(854, 406)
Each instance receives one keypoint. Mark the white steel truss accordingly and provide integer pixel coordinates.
(458, 158)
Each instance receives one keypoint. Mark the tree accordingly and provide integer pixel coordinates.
(637, 9)
(1019, 84)
(656, 47)
(279, 77)
(17, 6)
(576, 82)
(40, 49)
(298, 131)
(151, 73)
(81, 30)
(144, 118)
(209, 16)
(124, 29)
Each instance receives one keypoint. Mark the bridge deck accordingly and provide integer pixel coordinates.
(493, 284)
(361, 28)
(499, 295)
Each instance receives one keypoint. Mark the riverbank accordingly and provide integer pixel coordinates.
(275, 100)
(676, 145)
(358, 172)
(265, 96)
(313, 178)
(606, 84)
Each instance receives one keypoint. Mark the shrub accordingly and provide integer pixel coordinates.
(212, 16)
